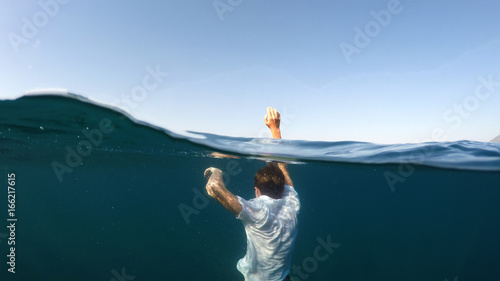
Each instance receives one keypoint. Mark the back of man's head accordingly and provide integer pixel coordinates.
(270, 181)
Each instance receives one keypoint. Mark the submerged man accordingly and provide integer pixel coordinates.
(270, 219)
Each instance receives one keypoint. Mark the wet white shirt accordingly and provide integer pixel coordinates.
(271, 228)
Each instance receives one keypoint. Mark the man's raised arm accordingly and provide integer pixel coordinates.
(217, 190)
(272, 120)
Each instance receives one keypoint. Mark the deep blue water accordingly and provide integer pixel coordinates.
(111, 208)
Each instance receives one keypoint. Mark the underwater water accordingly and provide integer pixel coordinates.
(101, 196)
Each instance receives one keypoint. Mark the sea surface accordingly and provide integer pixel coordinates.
(102, 196)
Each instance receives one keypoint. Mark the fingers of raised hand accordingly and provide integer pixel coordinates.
(208, 172)
(272, 113)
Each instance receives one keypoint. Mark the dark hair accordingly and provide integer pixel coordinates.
(270, 181)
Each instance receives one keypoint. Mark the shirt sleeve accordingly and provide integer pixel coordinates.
(291, 198)
(252, 211)
(255, 211)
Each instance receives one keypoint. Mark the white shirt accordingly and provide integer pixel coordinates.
(271, 228)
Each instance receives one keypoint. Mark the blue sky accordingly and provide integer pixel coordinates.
(378, 71)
